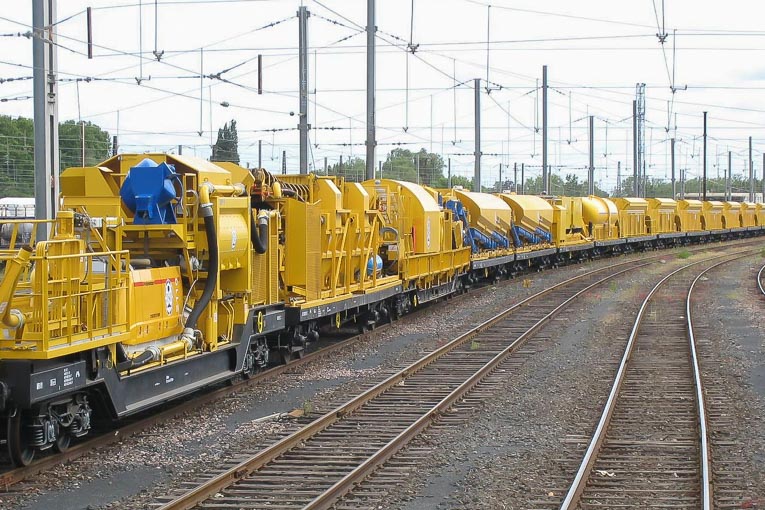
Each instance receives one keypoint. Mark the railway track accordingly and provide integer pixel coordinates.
(325, 461)
(761, 280)
(651, 445)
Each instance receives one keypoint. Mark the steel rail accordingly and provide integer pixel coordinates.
(577, 487)
(230, 476)
(760, 283)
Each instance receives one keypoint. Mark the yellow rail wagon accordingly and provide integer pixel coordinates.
(749, 215)
(422, 242)
(330, 267)
(488, 228)
(633, 216)
(759, 209)
(689, 217)
(662, 220)
(712, 215)
(732, 217)
(142, 293)
(533, 222)
(569, 230)
(600, 215)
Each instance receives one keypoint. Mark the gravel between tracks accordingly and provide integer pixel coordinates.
(134, 471)
(730, 303)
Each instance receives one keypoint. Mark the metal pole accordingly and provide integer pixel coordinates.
(260, 153)
(704, 174)
(303, 71)
(591, 175)
(728, 178)
(763, 178)
(46, 157)
(417, 166)
(635, 185)
(90, 32)
(325, 165)
(82, 145)
(371, 141)
(284, 162)
(500, 177)
(477, 153)
(674, 190)
(515, 176)
(379, 166)
(449, 174)
(545, 171)
(340, 168)
(751, 172)
(618, 178)
(523, 182)
(115, 145)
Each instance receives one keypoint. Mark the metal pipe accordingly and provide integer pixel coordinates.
(13, 318)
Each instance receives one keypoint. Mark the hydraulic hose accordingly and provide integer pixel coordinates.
(138, 361)
(212, 267)
(259, 233)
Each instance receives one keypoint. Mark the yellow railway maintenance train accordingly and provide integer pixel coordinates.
(165, 274)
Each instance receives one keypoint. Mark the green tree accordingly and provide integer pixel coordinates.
(353, 170)
(97, 144)
(17, 151)
(226, 148)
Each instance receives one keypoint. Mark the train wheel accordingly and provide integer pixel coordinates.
(63, 441)
(19, 449)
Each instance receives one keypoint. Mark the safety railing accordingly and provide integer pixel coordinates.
(71, 300)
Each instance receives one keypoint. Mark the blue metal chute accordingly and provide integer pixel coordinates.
(502, 241)
(539, 236)
(460, 213)
(148, 191)
(487, 242)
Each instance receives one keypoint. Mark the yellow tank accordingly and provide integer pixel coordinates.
(749, 214)
(661, 216)
(632, 216)
(600, 216)
(689, 215)
(712, 215)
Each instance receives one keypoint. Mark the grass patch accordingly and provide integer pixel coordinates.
(475, 345)
(307, 407)
(613, 286)
(683, 254)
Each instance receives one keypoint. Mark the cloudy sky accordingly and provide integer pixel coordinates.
(596, 51)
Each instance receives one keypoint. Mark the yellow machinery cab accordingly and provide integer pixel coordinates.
(600, 216)
(661, 216)
(632, 216)
(712, 215)
(689, 216)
